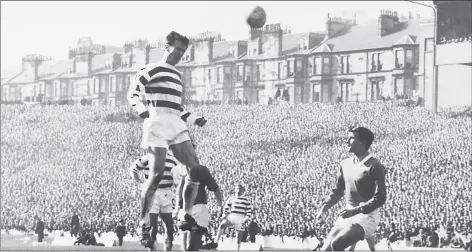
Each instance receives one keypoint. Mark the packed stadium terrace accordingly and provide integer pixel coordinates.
(60, 160)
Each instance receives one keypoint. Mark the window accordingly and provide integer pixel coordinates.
(345, 63)
(209, 75)
(280, 70)
(227, 73)
(398, 88)
(428, 44)
(112, 86)
(379, 61)
(311, 66)
(326, 65)
(72, 90)
(239, 76)
(373, 63)
(399, 59)
(345, 91)
(259, 72)
(119, 83)
(299, 68)
(302, 44)
(409, 86)
(4, 93)
(376, 62)
(318, 65)
(102, 84)
(57, 89)
(95, 86)
(248, 73)
(88, 87)
(409, 58)
(290, 68)
(219, 75)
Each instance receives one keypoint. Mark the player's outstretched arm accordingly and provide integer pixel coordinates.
(180, 192)
(191, 118)
(134, 172)
(337, 193)
(135, 92)
(380, 195)
(227, 207)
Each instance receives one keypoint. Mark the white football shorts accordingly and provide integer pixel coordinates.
(163, 131)
(200, 213)
(369, 222)
(237, 220)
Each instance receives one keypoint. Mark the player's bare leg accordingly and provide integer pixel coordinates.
(185, 153)
(169, 224)
(329, 238)
(224, 225)
(185, 238)
(370, 242)
(353, 247)
(156, 161)
(347, 236)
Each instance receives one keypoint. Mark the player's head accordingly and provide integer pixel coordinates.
(360, 139)
(175, 48)
(239, 190)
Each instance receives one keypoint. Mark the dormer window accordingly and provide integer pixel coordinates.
(70, 68)
(303, 44)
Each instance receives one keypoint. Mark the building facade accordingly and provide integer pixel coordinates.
(347, 62)
(454, 53)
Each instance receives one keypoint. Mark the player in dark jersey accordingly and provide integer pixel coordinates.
(199, 212)
(361, 180)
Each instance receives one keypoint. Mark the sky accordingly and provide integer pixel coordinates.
(49, 28)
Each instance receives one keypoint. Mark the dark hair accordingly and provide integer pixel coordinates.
(174, 36)
(365, 135)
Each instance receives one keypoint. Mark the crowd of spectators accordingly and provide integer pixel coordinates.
(58, 161)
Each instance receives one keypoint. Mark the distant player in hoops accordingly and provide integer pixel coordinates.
(237, 212)
(161, 85)
(163, 203)
(361, 180)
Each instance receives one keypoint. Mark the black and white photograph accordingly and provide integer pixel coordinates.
(236, 125)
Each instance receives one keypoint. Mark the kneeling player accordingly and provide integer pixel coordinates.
(199, 212)
(238, 212)
(163, 203)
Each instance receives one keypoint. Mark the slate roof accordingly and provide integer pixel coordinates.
(365, 36)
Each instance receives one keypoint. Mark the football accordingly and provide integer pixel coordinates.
(257, 18)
